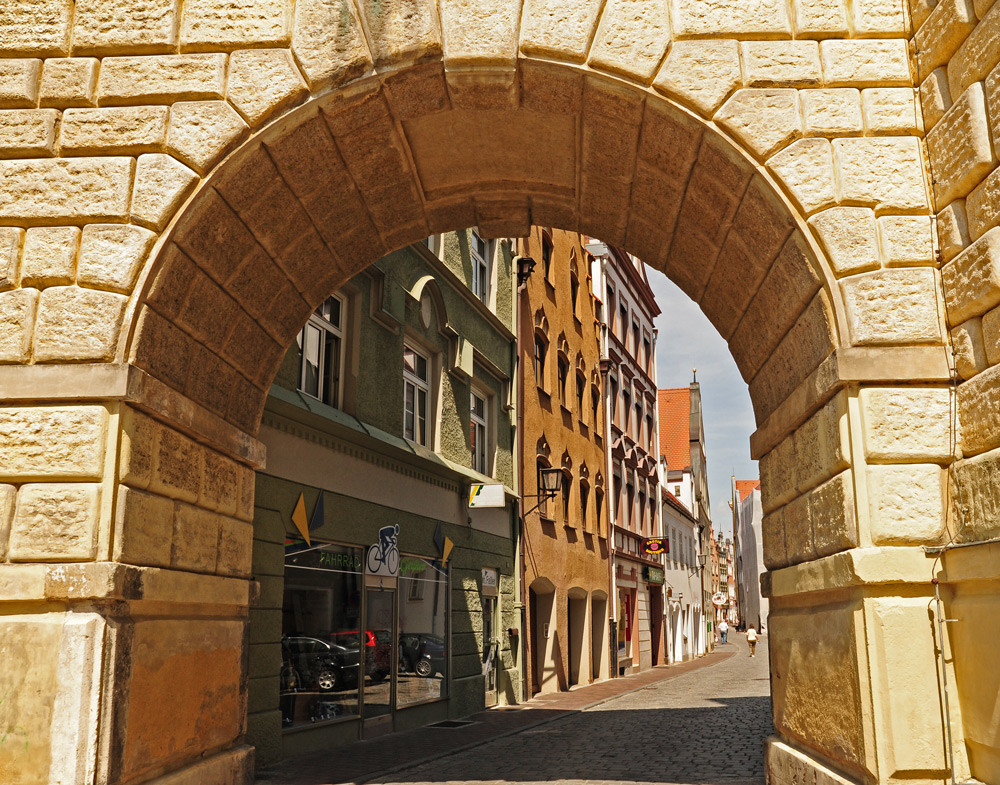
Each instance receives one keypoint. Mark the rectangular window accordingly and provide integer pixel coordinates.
(595, 408)
(565, 498)
(614, 401)
(479, 436)
(543, 498)
(416, 396)
(635, 340)
(547, 257)
(647, 353)
(321, 346)
(580, 384)
(611, 309)
(482, 265)
(623, 322)
(627, 412)
(540, 349)
(574, 291)
(563, 379)
(584, 501)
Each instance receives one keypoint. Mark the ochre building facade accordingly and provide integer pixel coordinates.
(181, 185)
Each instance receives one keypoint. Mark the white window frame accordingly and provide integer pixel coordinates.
(482, 265)
(328, 331)
(412, 380)
(480, 432)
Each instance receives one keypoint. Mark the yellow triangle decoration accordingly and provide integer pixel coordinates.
(300, 520)
(448, 545)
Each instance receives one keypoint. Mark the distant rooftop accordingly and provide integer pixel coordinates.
(745, 487)
(675, 427)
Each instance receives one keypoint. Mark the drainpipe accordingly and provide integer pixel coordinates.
(519, 292)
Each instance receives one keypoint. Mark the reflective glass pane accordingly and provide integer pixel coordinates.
(310, 360)
(422, 641)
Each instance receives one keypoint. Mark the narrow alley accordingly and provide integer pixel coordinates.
(698, 722)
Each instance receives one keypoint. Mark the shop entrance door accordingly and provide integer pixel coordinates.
(378, 647)
(491, 651)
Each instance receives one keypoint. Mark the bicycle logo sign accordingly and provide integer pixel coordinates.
(383, 556)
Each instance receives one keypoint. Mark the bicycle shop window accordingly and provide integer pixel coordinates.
(423, 632)
(321, 633)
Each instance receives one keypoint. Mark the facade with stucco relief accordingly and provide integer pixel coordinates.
(181, 185)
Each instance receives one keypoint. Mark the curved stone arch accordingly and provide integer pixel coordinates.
(716, 66)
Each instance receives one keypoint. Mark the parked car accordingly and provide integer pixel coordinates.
(378, 650)
(421, 653)
(323, 664)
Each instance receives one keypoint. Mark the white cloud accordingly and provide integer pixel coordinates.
(688, 340)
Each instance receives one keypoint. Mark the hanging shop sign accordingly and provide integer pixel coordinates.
(383, 556)
(491, 582)
(656, 545)
(719, 599)
(481, 495)
(653, 575)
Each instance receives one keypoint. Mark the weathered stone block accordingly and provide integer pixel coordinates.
(329, 44)
(970, 351)
(816, 693)
(65, 442)
(131, 129)
(764, 120)
(177, 466)
(992, 90)
(959, 147)
(161, 184)
(935, 99)
(799, 545)
(111, 256)
(55, 522)
(161, 78)
(781, 63)
(982, 207)
(975, 488)
(977, 55)
(144, 528)
(906, 240)
(19, 83)
(773, 539)
(835, 112)
(35, 27)
(208, 25)
(69, 81)
(979, 412)
(820, 18)
(405, 30)
(49, 257)
(884, 172)
(196, 539)
(17, 323)
(906, 424)
(262, 82)
(972, 280)
(77, 188)
(777, 476)
(919, 11)
(202, 132)
(120, 26)
(27, 132)
(700, 74)
(891, 110)
(905, 504)
(139, 435)
(235, 548)
(77, 324)
(768, 18)
(11, 243)
(878, 18)
(632, 37)
(220, 484)
(865, 63)
(991, 336)
(832, 516)
(953, 230)
(849, 238)
(806, 169)
(820, 445)
(943, 32)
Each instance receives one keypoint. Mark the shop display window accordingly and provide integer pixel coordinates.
(322, 639)
(423, 632)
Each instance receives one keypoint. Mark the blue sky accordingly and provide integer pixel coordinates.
(688, 340)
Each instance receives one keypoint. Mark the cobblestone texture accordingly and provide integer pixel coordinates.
(704, 725)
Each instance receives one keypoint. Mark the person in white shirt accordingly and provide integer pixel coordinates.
(752, 639)
(723, 631)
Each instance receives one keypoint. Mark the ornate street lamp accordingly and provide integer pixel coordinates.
(525, 266)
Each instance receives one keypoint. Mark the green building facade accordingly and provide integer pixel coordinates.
(348, 640)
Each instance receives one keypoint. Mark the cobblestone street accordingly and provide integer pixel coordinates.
(706, 726)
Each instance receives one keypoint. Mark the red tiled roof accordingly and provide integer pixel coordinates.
(675, 426)
(745, 487)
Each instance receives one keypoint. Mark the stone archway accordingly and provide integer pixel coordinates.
(162, 250)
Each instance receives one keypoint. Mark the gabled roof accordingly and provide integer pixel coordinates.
(745, 487)
(675, 427)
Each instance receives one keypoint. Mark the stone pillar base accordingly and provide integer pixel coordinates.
(786, 765)
(232, 767)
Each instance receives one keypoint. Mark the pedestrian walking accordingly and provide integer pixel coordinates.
(752, 639)
(723, 630)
